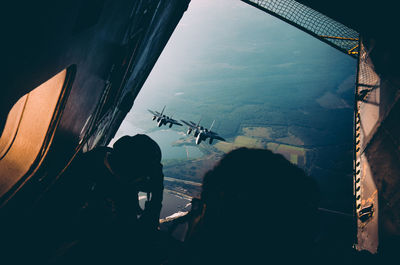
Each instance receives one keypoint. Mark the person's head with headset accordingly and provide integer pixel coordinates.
(137, 160)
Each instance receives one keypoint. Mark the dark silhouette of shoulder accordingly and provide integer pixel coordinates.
(259, 208)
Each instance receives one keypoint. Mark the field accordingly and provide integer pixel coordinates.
(277, 140)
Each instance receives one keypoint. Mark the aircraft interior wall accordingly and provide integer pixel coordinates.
(111, 48)
(377, 159)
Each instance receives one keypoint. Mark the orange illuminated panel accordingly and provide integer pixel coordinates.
(26, 129)
(11, 127)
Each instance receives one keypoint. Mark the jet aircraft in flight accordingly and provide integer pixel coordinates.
(202, 133)
(162, 119)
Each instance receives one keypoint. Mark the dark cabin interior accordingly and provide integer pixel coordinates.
(72, 70)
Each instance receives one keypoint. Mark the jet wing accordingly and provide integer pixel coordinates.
(215, 136)
(175, 122)
(219, 138)
(154, 112)
(188, 124)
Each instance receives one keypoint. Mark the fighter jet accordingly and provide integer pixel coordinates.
(162, 119)
(202, 133)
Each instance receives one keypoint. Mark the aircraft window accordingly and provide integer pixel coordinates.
(265, 83)
(27, 127)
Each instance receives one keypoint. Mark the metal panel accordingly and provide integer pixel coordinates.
(366, 123)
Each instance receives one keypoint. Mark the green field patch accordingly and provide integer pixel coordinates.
(272, 146)
(240, 141)
(291, 140)
(262, 132)
(250, 142)
(292, 149)
(294, 158)
(294, 154)
(224, 146)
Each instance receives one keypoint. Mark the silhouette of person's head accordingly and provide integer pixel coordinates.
(135, 157)
(257, 204)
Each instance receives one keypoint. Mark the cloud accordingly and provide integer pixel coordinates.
(347, 84)
(179, 93)
(332, 101)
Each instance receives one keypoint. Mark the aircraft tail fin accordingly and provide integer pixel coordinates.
(212, 124)
(163, 110)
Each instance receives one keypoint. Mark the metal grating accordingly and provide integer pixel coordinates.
(364, 188)
(314, 23)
